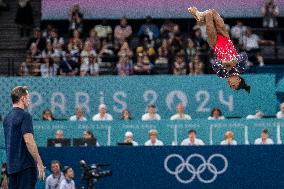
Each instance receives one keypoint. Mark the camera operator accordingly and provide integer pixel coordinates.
(53, 181)
(68, 182)
(4, 180)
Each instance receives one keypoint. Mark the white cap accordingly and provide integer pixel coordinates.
(102, 106)
(128, 134)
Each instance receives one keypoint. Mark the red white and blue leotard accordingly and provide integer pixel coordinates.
(225, 51)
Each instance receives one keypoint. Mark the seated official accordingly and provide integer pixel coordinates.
(229, 139)
(128, 139)
(280, 114)
(89, 135)
(257, 115)
(79, 116)
(180, 115)
(151, 114)
(102, 115)
(153, 139)
(216, 114)
(264, 138)
(192, 140)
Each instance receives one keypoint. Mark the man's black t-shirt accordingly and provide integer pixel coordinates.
(16, 124)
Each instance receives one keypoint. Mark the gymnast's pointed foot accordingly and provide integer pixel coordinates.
(195, 13)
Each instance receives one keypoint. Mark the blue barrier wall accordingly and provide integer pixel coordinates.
(198, 93)
(239, 167)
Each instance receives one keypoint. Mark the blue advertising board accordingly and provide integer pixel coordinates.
(198, 93)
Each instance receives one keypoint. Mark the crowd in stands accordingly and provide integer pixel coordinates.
(118, 50)
(152, 115)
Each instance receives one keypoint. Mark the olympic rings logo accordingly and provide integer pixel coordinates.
(196, 172)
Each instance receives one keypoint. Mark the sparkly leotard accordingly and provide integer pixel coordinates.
(225, 51)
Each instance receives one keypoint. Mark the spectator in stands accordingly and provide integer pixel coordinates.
(164, 52)
(47, 115)
(94, 67)
(67, 182)
(190, 50)
(125, 51)
(48, 51)
(79, 115)
(46, 33)
(103, 29)
(37, 39)
(257, 115)
(102, 115)
(24, 67)
(76, 41)
(128, 138)
(73, 51)
(59, 51)
(29, 68)
(179, 64)
(180, 114)
(124, 66)
(54, 38)
(153, 139)
(176, 42)
(49, 68)
(197, 39)
(143, 64)
(94, 40)
(196, 66)
(202, 27)
(216, 114)
(149, 29)
(251, 44)
(68, 67)
(107, 50)
(151, 114)
(192, 140)
(75, 19)
(87, 55)
(168, 29)
(24, 17)
(147, 47)
(229, 139)
(125, 115)
(123, 31)
(280, 114)
(270, 12)
(53, 181)
(238, 32)
(264, 138)
(35, 53)
(59, 134)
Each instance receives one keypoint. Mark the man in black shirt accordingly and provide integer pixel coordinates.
(21, 149)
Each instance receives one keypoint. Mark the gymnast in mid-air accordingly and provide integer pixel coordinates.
(228, 62)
